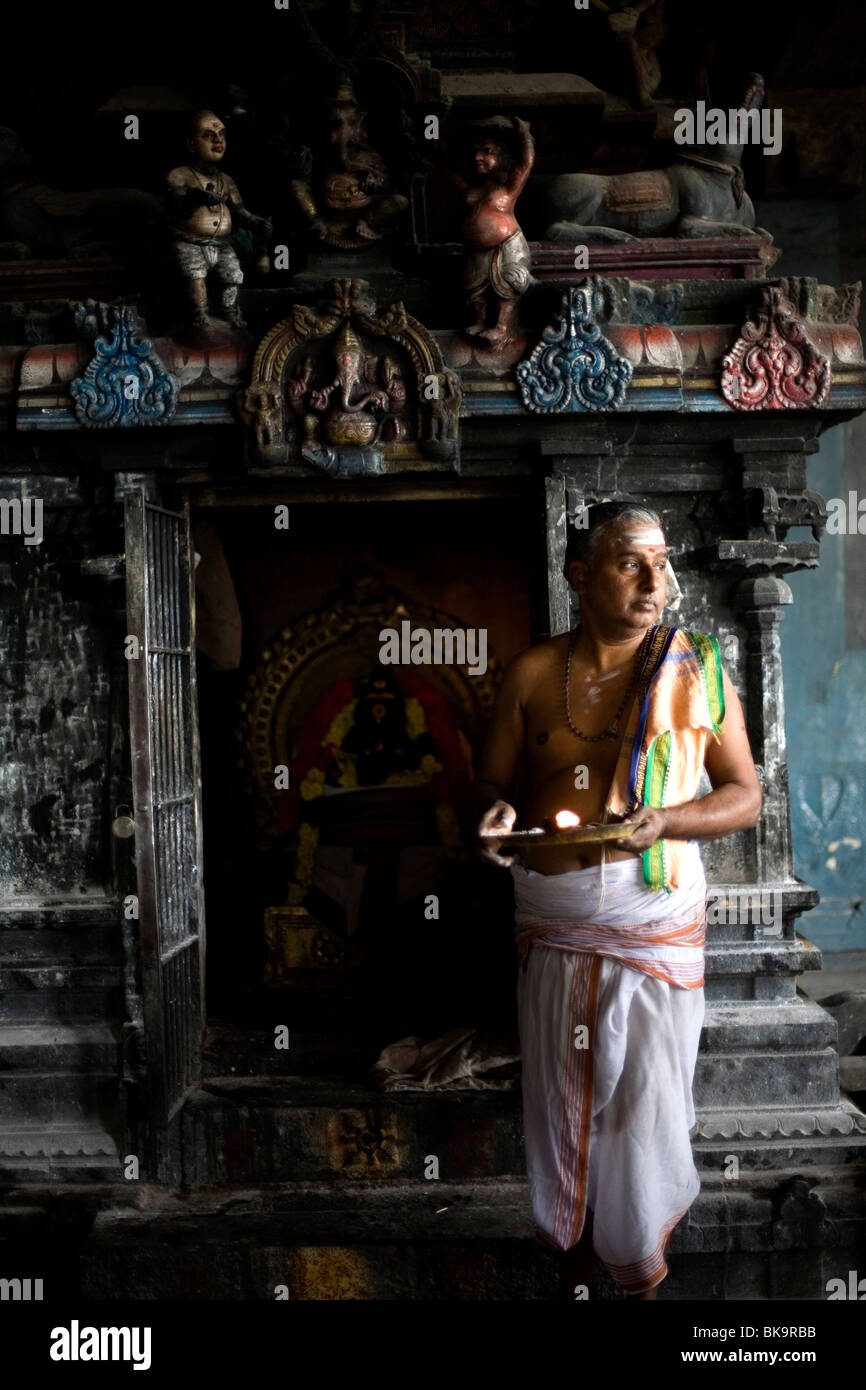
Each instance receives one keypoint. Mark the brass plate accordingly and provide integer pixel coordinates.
(575, 835)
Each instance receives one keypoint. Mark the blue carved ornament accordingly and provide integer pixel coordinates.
(574, 367)
(125, 384)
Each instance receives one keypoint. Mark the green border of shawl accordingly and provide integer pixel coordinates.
(655, 785)
(707, 648)
(658, 760)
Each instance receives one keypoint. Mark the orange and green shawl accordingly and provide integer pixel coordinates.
(662, 753)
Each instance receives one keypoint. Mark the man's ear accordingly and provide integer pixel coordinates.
(577, 572)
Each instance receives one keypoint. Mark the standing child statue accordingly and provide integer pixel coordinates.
(205, 205)
(498, 265)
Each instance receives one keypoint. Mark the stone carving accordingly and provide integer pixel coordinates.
(574, 367)
(659, 303)
(801, 1216)
(840, 303)
(773, 365)
(637, 301)
(364, 1140)
(636, 27)
(359, 406)
(771, 514)
(342, 189)
(40, 222)
(783, 1124)
(205, 204)
(340, 386)
(444, 396)
(125, 384)
(498, 264)
(702, 194)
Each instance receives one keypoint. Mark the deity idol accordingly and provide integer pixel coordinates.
(343, 189)
(498, 264)
(350, 412)
(205, 205)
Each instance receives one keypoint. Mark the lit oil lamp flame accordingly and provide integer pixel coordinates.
(566, 820)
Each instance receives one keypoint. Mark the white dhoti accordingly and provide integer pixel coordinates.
(610, 1006)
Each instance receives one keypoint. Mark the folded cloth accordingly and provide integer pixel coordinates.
(461, 1059)
(610, 1007)
(608, 911)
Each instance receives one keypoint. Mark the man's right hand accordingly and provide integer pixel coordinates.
(500, 816)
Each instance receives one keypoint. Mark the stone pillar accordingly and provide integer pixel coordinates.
(759, 600)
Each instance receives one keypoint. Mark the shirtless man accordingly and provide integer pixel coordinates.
(555, 744)
(204, 205)
(498, 261)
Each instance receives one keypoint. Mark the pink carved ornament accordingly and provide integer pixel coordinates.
(773, 365)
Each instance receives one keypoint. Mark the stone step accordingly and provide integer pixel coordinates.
(234, 1051)
(34, 976)
(773, 1236)
(497, 1206)
(272, 1129)
(95, 942)
(433, 1239)
(46, 1098)
(59, 1154)
(59, 992)
(756, 913)
(231, 1050)
(774, 1026)
(59, 1046)
(758, 970)
(59, 914)
(306, 1128)
(60, 930)
(729, 1080)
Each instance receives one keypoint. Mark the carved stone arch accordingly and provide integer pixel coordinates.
(428, 423)
(342, 640)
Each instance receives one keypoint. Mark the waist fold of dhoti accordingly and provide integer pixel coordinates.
(670, 949)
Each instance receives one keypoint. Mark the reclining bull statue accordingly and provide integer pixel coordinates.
(700, 195)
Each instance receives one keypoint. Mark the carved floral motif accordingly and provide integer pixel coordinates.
(773, 365)
(574, 367)
(125, 384)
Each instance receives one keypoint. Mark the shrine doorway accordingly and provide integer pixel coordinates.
(349, 904)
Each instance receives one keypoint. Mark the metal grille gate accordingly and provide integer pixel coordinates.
(167, 796)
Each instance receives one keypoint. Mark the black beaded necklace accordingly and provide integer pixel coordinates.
(637, 675)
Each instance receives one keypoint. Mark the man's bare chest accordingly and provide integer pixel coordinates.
(552, 746)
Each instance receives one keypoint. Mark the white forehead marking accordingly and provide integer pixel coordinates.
(651, 536)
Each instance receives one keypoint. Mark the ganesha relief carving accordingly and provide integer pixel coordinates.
(349, 389)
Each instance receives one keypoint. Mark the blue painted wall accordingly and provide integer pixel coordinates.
(822, 634)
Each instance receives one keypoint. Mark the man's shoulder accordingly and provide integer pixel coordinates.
(542, 654)
(536, 663)
(688, 639)
(180, 176)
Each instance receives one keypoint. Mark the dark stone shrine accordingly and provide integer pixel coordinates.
(223, 818)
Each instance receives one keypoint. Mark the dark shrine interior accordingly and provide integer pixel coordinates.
(467, 559)
(345, 396)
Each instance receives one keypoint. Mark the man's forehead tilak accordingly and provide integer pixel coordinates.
(649, 535)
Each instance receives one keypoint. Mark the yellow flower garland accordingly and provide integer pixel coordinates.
(313, 786)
